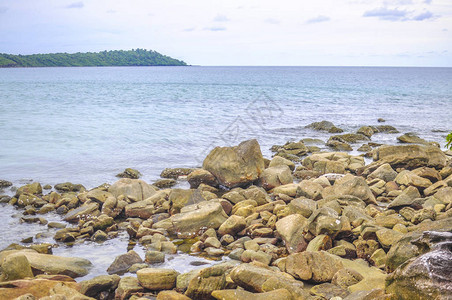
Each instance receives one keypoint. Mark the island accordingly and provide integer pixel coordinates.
(134, 57)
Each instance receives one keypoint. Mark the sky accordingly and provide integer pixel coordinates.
(233, 32)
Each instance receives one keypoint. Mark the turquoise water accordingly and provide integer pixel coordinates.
(85, 125)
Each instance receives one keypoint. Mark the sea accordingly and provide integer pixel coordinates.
(85, 125)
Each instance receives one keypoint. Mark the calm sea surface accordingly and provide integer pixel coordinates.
(85, 125)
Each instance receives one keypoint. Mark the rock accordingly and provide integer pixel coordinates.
(5, 183)
(411, 138)
(62, 290)
(259, 256)
(82, 212)
(126, 287)
(325, 126)
(261, 280)
(350, 137)
(171, 295)
(388, 237)
(232, 225)
(99, 236)
(409, 157)
(157, 279)
(310, 190)
(238, 294)
(179, 198)
(366, 130)
(69, 187)
(15, 266)
(123, 262)
(95, 286)
(134, 189)
(141, 209)
(280, 161)
(154, 257)
(416, 243)
(199, 176)
(52, 264)
(303, 206)
(207, 281)
(32, 189)
(328, 291)
(165, 183)
(315, 266)
(291, 229)
(320, 242)
(425, 277)
(350, 185)
(346, 277)
(275, 176)
(408, 178)
(406, 198)
(294, 148)
(175, 173)
(338, 145)
(38, 287)
(193, 218)
(236, 166)
(129, 173)
(384, 172)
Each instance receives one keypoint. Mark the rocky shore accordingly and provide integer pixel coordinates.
(304, 224)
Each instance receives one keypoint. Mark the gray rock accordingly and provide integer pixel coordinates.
(123, 262)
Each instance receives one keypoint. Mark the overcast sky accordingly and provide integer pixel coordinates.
(232, 32)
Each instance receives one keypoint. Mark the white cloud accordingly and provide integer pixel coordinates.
(318, 19)
(220, 18)
(76, 5)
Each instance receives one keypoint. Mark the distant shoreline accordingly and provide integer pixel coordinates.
(117, 58)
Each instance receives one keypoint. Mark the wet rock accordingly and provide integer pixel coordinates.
(129, 173)
(69, 187)
(5, 183)
(95, 286)
(165, 183)
(325, 126)
(141, 209)
(411, 138)
(236, 166)
(315, 266)
(350, 137)
(275, 176)
(259, 279)
(154, 257)
(175, 173)
(82, 212)
(258, 256)
(15, 266)
(126, 287)
(123, 262)
(99, 236)
(366, 130)
(199, 176)
(157, 279)
(134, 189)
(424, 277)
(32, 189)
(52, 264)
(409, 157)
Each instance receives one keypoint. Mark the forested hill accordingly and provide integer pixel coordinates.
(137, 57)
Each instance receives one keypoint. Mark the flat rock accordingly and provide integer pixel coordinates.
(157, 279)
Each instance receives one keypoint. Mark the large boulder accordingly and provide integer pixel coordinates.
(425, 277)
(350, 185)
(409, 157)
(325, 126)
(52, 264)
(134, 189)
(123, 262)
(15, 266)
(38, 287)
(236, 166)
(99, 284)
(193, 218)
